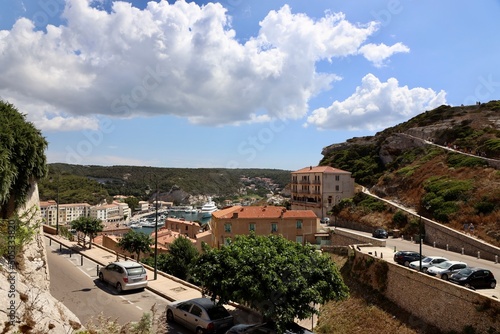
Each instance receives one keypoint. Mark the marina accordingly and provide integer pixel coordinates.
(146, 224)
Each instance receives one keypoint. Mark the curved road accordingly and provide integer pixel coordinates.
(79, 289)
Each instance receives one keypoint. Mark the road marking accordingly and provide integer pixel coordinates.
(140, 308)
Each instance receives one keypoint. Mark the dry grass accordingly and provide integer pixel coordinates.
(366, 311)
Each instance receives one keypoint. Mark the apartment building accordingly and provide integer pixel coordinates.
(295, 225)
(107, 213)
(320, 188)
(67, 212)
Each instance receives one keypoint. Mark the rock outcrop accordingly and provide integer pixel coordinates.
(28, 306)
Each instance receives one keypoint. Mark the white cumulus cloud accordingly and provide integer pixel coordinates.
(177, 59)
(376, 105)
(378, 53)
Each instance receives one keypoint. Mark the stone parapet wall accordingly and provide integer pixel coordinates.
(444, 237)
(430, 301)
(346, 238)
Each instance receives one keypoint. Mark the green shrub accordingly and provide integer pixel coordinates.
(484, 207)
(459, 160)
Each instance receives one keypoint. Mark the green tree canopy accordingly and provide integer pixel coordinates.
(281, 279)
(88, 226)
(182, 255)
(22, 158)
(136, 242)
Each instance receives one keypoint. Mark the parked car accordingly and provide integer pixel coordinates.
(380, 233)
(267, 328)
(201, 315)
(474, 278)
(325, 220)
(406, 257)
(446, 269)
(427, 262)
(124, 275)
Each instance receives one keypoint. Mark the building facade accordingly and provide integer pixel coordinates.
(295, 225)
(320, 188)
(49, 211)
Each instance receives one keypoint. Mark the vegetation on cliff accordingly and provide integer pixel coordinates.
(438, 163)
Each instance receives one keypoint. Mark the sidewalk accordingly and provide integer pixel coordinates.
(166, 286)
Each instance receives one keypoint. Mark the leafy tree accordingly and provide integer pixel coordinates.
(22, 158)
(88, 226)
(281, 279)
(182, 255)
(136, 242)
(133, 202)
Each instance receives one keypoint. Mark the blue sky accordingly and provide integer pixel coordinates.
(238, 83)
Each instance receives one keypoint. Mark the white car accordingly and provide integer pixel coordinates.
(124, 275)
(427, 262)
(446, 269)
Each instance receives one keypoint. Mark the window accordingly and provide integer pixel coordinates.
(196, 311)
(337, 177)
(337, 188)
(274, 227)
(227, 228)
(299, 224)
(251, 227)
(299, 239)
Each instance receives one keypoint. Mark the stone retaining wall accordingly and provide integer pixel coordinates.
(431, 301)
(444, 236)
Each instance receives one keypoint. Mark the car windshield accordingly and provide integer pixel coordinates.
(444, 265)
(217, 312)
(134, 271)
(427, 260)
(465, 272)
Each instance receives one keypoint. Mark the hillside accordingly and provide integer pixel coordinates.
(92, 184)
(444, 163)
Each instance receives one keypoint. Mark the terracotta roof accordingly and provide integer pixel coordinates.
(255, 212)
(299, 214)
(320, 169)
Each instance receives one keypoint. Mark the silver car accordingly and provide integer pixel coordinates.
(201, 315)
(427, 262)
(124, 275)
(445, 269)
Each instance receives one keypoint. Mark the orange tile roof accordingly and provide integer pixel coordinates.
(320, 169)
(256, 212)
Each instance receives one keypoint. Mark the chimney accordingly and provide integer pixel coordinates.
(310, 167)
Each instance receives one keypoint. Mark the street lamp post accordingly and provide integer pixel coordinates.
(420, 241)
(57, 209)
(57, 202)
(156, 229)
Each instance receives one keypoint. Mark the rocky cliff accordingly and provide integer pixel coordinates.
(444, 163)
(28, 306)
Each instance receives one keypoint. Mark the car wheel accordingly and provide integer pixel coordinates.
(467, 285)
(493, 285)
(170, 316)
(445, 277)
(407, 263)
(101, 277)
(119, 288)
(424, 270)
(200, 331)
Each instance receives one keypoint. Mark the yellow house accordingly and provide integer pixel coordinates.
(295, 225)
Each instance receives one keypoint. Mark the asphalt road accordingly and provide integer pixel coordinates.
(79, 288)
